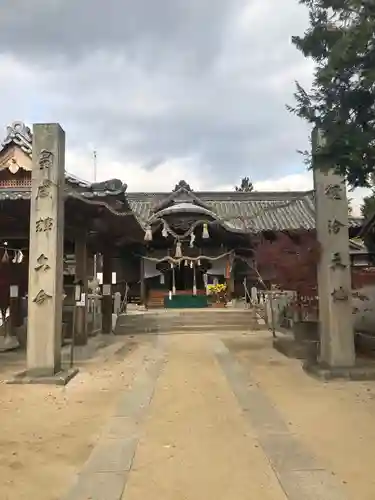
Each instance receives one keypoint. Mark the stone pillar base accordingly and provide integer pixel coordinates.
(30, 377)
(361, 371)
(292, 348)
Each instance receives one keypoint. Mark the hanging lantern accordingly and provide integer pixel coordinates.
(20, 257)
(205, 233)
(178, 253)
(186, 263)
(191, 264)
(148, 234)
(172, 266)
(199, 262)
(5, 257)
(192, 239)
(164, 232)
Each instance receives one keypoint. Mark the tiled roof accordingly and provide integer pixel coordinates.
(241, 211)
(15, 194)
(238, 211)
(257, 211)
(357, 245)
(25, 194)
(20, 135)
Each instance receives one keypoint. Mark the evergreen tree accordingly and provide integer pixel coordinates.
(341, 42)
(350, 207)
(367, 210)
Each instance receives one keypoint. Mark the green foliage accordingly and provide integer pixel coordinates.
(341, 42)
(246, 185)
(350, 207)
(368, 207)
(368, 210)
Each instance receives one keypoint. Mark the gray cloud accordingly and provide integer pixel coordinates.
(73, 29)
(156, 80)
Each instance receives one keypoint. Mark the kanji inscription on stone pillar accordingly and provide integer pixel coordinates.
(44, 189)
(46, 251)
(334, 278)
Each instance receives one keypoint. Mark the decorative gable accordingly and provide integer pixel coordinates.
(20, 135)
(182, 193)
(15, 157)
(182, 185)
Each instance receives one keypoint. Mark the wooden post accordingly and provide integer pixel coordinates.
(143, 284)
(80, 323)
(107, 293)
(15, 316)
(229, 278)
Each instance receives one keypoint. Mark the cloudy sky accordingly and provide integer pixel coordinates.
(163, 90)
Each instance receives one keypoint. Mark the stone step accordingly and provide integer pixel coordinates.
(187, 321)
(193, 313)
(207, 314)
(129, 330)
(183, 322)
(174, 324)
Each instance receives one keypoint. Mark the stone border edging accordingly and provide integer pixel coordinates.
(297, 470)
(105, 473)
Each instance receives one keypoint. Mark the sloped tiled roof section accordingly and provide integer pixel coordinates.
(238, 211)
(243, 212)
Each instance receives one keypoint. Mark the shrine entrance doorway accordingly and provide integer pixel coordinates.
(184, 279)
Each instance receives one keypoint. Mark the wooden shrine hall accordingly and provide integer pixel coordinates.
(94, 215)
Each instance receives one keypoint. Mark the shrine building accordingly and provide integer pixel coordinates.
(165, 248)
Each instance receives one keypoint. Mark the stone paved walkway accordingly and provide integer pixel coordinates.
(195, 426)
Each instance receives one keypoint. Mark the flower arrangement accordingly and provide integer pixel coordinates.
(218, 292)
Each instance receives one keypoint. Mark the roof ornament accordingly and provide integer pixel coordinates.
(19, 134)
(111, 185)
(182, 185)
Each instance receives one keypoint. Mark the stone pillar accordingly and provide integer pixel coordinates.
(117, 303)
(334, 277)
(107, 293)
(81, 333)
(45, 294)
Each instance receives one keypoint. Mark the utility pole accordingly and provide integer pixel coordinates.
(95, 165)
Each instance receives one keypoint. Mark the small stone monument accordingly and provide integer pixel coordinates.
(117, 303)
